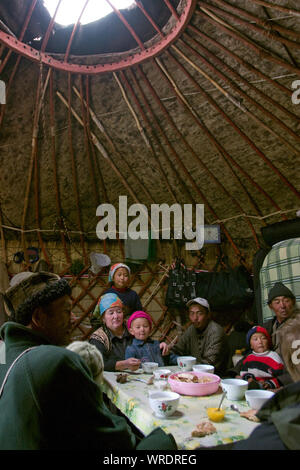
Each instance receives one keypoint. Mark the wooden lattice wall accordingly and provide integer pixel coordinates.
(149, 280)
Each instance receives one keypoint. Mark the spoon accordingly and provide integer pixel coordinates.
(147, 382)
(234, 408)
(223, 396)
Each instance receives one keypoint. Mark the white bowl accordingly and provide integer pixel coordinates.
(162, 374)
(159, 385)
(235, 388)
(204, 368)
(164, 404)
(256, 398)
(186, 362)
(149, 367)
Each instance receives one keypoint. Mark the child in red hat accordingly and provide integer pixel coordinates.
(139, 325)
(262, 364)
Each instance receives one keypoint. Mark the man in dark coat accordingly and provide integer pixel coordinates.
(48, 398)
(281, 301)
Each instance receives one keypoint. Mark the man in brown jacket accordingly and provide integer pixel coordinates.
(204, 338)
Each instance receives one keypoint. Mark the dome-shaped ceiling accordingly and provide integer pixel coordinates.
(203, 108)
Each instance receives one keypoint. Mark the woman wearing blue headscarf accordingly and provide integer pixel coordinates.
(112, 337)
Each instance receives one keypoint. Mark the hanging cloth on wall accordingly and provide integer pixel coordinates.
(181, 285)
(140, 250)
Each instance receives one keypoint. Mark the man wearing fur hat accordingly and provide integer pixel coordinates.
(281, 301)
(48, 398)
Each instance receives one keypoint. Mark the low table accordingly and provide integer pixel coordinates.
(131, 398)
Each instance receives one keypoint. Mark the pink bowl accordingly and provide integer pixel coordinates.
(195, 389)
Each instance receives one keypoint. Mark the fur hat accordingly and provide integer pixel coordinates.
(258, 329)
(91, 355)
(278, 290)
(138, 314)
(113, 269)
(27, 285)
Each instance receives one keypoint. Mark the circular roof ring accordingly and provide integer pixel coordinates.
(121, 39)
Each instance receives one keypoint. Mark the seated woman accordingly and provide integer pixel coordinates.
(112, 337)
(119, 279)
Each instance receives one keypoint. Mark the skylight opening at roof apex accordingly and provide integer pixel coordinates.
(70, 10)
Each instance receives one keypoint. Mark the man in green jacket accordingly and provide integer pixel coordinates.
(48, 399)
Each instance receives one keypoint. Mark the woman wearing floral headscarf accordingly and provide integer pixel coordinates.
(118, 279)
(112, 337)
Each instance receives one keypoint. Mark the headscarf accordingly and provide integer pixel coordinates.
(113, 269)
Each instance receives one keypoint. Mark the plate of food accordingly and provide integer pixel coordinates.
(194, 383)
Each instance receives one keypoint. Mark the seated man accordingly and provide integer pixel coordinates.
(204, 338)
(282, 303)
(48, 398)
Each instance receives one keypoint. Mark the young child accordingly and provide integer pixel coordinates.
(119, 277)
(262, 364)
(143, 347)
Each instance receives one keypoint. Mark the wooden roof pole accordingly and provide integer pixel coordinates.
(280, 8)
(240, 91)
(4, 62)
(154, 121)
(50, 27)
(102, 151)
(254, 19)
(172, 9)
(224, 152)
(259, 50)
(149, 124)
(145, 119)
(122, 158)
(189, 177)
(244, 109)
(96, 161)
(245, 137)
(186, 105)
(36, 182)
(26, 22)
(248, 66)
(66, 57)
(38, 104)
(74, 174)
(213, 103)
(269, 34)
(127, 25)
(146, 14)
(234, 101)
(3, 242)
(56, 185)
(84, 113)
(86, 141)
